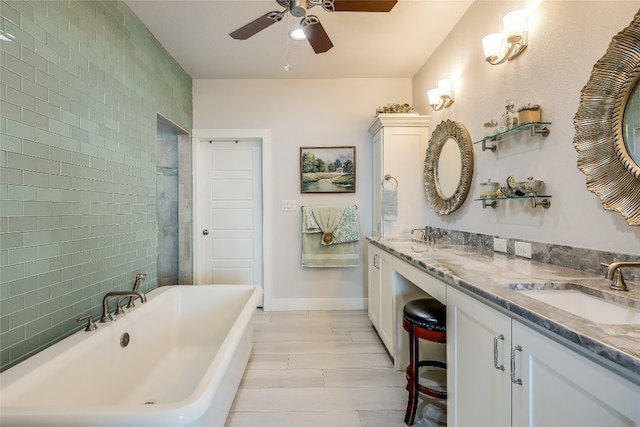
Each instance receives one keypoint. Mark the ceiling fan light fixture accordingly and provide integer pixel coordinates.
(297, 34)
(310, 24)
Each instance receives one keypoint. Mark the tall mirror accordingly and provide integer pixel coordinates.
(448, 167)
(607, 126)
(631, 124)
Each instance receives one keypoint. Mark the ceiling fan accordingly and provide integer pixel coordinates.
(310, 24)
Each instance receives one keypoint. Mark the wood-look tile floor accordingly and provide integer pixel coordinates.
(323, 368)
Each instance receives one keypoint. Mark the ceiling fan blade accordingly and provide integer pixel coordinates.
(363, 5)
(256, 26)
(315, 33)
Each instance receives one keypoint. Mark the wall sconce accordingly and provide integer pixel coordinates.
(501, 47)
(443, 96)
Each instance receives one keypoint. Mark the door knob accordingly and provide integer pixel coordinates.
(205, 231)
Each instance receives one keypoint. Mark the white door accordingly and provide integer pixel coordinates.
(230, 212)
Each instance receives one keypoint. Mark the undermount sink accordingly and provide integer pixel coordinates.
(574, 299)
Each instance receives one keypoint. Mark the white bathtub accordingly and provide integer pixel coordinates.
(188, 348)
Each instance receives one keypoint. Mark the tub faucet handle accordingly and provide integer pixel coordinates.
(91, 325)
(119, 310)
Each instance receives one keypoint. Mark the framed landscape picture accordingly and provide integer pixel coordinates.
(327, 169)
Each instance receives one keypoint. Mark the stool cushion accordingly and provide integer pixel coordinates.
(427, 313)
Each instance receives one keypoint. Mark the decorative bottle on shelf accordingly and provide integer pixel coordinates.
(509, 118)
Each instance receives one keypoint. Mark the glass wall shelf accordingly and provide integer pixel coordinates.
(536, 128)
(536, 200)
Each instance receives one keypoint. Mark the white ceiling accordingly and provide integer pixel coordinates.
(366, 45)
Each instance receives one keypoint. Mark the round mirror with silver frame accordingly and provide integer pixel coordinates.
(448, 167)
(604, 129)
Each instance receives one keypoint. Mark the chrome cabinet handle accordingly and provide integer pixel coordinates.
(376, 261)
(205, 231)
(495, 352)
(513, 365)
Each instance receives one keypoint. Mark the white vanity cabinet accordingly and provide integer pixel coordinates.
(399, 146)
(502, 372)
(381, 294)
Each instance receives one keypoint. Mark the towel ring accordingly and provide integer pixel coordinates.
(389, 178)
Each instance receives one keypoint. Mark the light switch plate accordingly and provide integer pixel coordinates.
(288, 205)
(500, 245)
(523, 249)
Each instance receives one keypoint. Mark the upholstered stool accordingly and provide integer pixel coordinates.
(424, 319)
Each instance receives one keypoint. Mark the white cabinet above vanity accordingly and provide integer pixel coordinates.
(512, 360)
(399, 144)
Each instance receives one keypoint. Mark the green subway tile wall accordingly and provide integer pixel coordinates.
(81, 84)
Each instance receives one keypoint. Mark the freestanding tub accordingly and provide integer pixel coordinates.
(187, 351)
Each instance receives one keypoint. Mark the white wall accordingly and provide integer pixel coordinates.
(304, 113)
(566, 40)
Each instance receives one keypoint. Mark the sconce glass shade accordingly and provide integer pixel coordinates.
(492, 44)
(434, 96)
(514, 25)
(444, 87)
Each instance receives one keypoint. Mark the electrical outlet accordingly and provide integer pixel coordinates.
(500, 245)
(288, 205)
(523, 249)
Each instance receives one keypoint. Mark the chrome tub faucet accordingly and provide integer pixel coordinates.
(106, 316)
(614, 273)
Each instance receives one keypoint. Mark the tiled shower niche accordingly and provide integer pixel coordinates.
(174, 201)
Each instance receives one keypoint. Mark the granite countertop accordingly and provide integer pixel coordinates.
(493, 277)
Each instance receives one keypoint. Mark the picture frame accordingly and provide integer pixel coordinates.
(328, 169)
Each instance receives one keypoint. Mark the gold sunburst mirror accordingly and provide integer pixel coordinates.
(607, 125)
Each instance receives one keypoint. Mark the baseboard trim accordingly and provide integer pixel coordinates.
(291, 304)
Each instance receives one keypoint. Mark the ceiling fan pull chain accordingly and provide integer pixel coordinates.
(288, 67)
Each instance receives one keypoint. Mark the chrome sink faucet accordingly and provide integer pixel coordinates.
(426, 238)
(106, 316)
(614, 273)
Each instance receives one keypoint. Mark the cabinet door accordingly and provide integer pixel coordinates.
(373, 260)
(478, 342)
(404, 149)
(562, 388)
(387, 302)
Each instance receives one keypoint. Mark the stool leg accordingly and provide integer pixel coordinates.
(413, 383)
